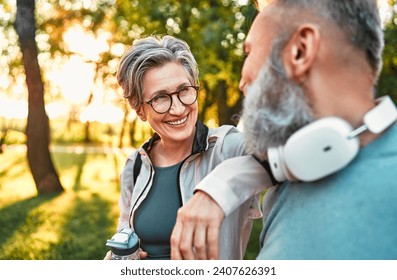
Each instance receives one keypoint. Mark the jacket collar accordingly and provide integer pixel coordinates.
(200, 142)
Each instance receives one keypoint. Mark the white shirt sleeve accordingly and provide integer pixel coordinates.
(234, 181)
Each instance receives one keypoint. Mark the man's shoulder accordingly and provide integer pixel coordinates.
(222, 130)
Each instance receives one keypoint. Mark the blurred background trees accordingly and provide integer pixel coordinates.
(78, 45)
(80, 42)
(388, 80)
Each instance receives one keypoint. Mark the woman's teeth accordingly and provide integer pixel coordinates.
(178, 122)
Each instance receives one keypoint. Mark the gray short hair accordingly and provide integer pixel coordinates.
(358, 19)
(147, 53)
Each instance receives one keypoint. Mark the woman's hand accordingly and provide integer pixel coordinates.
(108, 255)
(142, 254)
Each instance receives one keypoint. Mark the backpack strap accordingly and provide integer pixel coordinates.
(137, 166)
(137, 169)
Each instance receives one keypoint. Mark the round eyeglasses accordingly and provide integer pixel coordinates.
(162, 103)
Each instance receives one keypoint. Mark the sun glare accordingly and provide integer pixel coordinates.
(13, 109)
(103, 113)
(384, 10)
(86, 44)
(75, 79)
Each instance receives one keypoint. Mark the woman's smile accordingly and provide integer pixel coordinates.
(177, 122)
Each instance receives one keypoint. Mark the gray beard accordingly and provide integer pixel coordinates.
(273, 109)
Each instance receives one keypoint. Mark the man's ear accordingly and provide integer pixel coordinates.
(301, 51)
(141, 113)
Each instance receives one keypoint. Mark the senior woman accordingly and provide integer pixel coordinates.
(159, 77)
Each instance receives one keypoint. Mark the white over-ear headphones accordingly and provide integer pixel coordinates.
(326, 145)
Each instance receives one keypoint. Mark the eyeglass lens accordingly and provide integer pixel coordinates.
(163, 102)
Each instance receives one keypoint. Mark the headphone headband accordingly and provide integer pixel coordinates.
(326, 145)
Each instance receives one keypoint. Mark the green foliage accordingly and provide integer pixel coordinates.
(15, 137)
(13, 131)
(72, 225)
(388, 80)
(253, 246)
(215, 30)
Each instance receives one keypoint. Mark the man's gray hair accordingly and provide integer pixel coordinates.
(148, 53)
(359, 20)
(275, 106)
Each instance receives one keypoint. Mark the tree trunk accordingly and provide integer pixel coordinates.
(3, 139)
(123, 125)
(224, 116)
(132, 132)
(87, 138)
(207, 102)
(37, 129)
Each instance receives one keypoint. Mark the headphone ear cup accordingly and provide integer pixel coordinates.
(314, 151)
(278, 165)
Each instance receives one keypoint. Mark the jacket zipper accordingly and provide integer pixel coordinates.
(179, 177)
(140, 195)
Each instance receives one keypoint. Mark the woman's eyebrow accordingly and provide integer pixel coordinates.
(163, 91)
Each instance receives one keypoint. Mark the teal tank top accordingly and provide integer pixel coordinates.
(155, 217)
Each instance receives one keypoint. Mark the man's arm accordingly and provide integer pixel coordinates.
(196, 229)
(230, 184)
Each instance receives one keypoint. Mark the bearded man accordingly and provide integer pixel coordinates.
(308, 60)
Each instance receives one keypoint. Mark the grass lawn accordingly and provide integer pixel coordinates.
(72, 225)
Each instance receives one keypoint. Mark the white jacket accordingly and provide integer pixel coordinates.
(210, 148)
